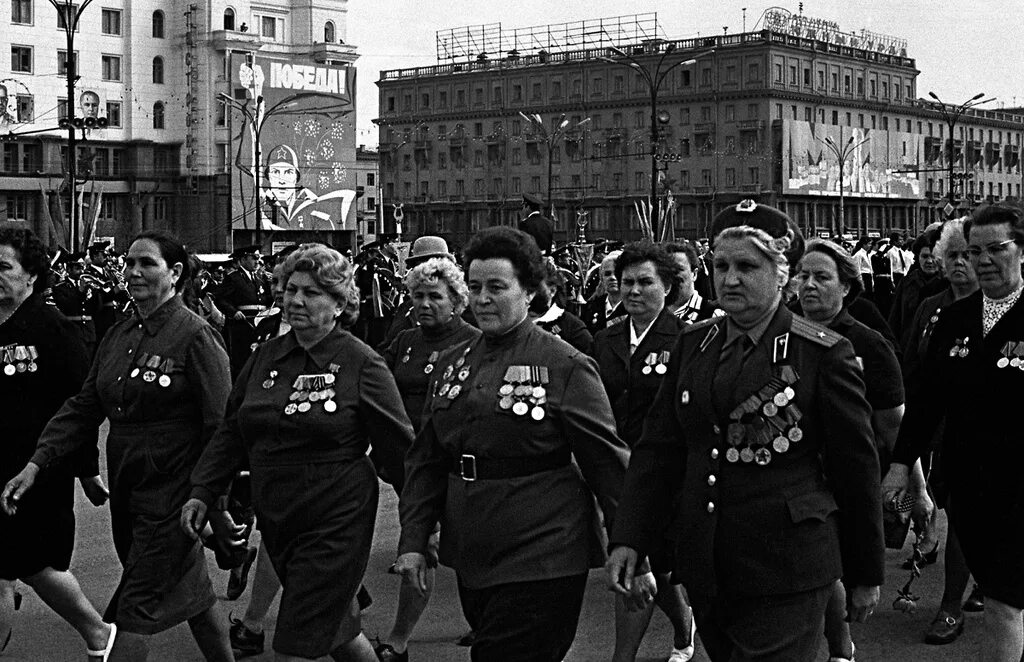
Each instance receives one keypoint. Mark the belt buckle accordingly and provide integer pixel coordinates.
(467, 467)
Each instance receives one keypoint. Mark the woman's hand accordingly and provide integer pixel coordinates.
(225, 530)
(922, 510)
(412, 566)
(896, 480)
(621, 568)
(95, 491)
(17, 486)
(860, 603)
(193, 517)
(645, 587)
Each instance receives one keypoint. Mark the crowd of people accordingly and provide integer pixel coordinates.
(720, 427)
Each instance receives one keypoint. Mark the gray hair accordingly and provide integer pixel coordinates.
(773, 249)
(329, 269)
(440, 270)
(950, 229)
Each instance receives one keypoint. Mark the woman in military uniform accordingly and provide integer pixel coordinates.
(161, 378)
(633, 357)
(971, 378)
(43, 361)
(505, 417)
(303, 413)
(761, 535)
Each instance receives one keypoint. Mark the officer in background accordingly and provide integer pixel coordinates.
(78, 300)
(242, 296)
(604, 310)
(109, 290)
(536, 224)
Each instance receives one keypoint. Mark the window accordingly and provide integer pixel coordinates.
(229, 19)
(753, 71)
(597, 88)
(21, 11)
(329, 35)
(424, 100)
(111, 67)
(158, 24)
(754, 175)
(63, 13)
(846, 83)
(705, 77)
(517, 93)
(556, 89)
(807, 114)
(730, 113)
(17, 207)
(705, 177)
(684, 179)
(835, 81)
(160, 208)
(460, 98)
(496, 95)
(114, 113)
(158, 115)
(730, 74)
(730, 177)
(517, 156)
(778, 73)
(874, 87)
(792, 75)
(62, 63)
(62, 108)
(538, 91)
(442, 99)
(860, 86)
(271, 27)
(807, 76)
(21, 59)
(618, 84)
(26, 108)
(158, 70)
(110, 22)
(821, 79)
(370, 179)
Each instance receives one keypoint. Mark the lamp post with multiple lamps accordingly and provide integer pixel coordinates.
(551, 139)
(842, 151)
(951, 115)
(653, 77)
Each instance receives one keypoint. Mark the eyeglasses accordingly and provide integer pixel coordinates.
(992, 250)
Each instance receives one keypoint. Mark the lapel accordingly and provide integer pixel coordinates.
(664, 326)
(758, 367)
(618, 341)
(701, 367)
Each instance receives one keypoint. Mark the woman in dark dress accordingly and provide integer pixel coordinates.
(687, 303)
(633, 357)
(548, 311)
(303, 412)
(43, 362)
(161, 378)
(971, 379)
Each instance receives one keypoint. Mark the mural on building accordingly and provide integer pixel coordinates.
(297, 120)
(872, 169)
(10, 90)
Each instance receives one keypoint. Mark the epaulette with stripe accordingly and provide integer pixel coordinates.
(697, 326)
(805, 328)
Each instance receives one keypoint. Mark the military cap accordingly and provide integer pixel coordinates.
(773, 221)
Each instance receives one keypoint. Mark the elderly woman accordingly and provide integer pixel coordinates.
(828, 277)
(970, 378)
(44, 361)
(505, 417)
(923, 280)
(756, 409)
(439, 297)
(548, 311)
(633, 357)
(161, 378)
(303, 413)
(686, 303)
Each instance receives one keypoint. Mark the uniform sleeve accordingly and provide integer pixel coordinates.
(387, 425)
(578, 336)
(225, 453)
(207, 371)
(589, 427)
(426, 486)
(851, 465)
(224, 294)
(658, 459)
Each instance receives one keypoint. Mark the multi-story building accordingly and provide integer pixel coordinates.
(367, 173)
(166, 76)
(750, 115)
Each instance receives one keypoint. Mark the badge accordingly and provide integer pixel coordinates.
(330, 378)
(134, 373)
(712, 334)
(684, 398)
(408, 351)
(454, 392)
(762, 456)
(539, 392)
(770, 409)
(330, 406)
(780, 400)
(780, 348)
(429, 368)
(149, 376)
(291, 409)
(164, 381)
(463, 374)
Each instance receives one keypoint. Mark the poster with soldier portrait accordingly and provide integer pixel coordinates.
(295, 118)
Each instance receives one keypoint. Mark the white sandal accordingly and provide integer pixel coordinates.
(105, 653)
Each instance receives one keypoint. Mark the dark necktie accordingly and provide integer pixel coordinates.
(730, 362)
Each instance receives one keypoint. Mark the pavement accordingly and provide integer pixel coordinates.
(41, 636)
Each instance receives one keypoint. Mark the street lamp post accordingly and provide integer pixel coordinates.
(653, 77)
(551, 140)
(842, 152)
(951, 114)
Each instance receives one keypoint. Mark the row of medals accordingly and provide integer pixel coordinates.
(522, 390)
(960, 348)
(1014, 349)
(308, 390)
(655, 362)
(768, 418)
(431, 360)
(156, 369)
(19, 358)
(448, 388)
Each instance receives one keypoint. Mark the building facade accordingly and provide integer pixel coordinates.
(749, 115)
(157, 73)
(368, 191)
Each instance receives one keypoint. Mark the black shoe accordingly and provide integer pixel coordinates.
(944, 629)
(467, 639)
(244, 642)
(975, 601)
(386, 653)
(238, 582)
(928, 558)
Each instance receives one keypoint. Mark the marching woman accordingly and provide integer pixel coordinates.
(548, 311)
(632, 358)
(439, 297)
(505, 418)
(161, 378)
(43, 362)
(687, 303)
(971, 379)
(303, 412)
(762, 426)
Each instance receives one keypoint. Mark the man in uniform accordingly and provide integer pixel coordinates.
(78, 301)
(605, 309)
(536, 224)
(242, 296)
(110, 293)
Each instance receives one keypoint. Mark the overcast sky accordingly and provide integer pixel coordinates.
(961, 48)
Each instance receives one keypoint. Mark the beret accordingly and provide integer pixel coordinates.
(773, 221)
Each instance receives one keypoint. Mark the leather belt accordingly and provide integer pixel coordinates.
(80, 318)
(469, 467)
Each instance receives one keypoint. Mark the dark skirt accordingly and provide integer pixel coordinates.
(42, 533)
(992, 538)
(317, 522)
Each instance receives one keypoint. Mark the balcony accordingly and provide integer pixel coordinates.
(422, 145)
(703, 189)
(457, 142)
(703, 128)
(750, 125)
(751, 188)
(331, 52)
(457, 197)
(616, 192)
(233, 40)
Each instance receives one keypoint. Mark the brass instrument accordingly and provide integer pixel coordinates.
(583, 253)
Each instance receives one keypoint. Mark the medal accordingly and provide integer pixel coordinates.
(762, 456)
(164, 381)
(462, 359)
(506, 389)
(32, 367)
(780, 444)
(269, 381)
(770, 409)
(330, 406)
(134, 373)
(780, 400)
(684, 398)
(454, 392)
(463, 374)
(330, 378)
(505, 403)
(149, 376)
(732, 455)
(539, 392)
(21, 367)
(795, 434)
(314, 396)
(427, 369)
(790, 393)
(520, 408)
(537, 413)
(408, 351)
(304, 407)
(646, 370)
(661, 368)
(443, 391)
(9, 370)
(448, 372)
(291, 409)
(747, 455)
(1003, 362)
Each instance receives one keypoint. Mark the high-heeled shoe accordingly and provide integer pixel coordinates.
(928, 558)
(975, 601)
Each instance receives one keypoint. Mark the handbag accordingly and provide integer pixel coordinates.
(896, 520)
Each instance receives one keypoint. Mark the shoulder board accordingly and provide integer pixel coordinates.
(697, 326)
(817, 333)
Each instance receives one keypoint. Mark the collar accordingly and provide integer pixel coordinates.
(552, 313)
(23, 313)
(322, 353)
(447, 329)
(693, 303)
(842, 320)
(634, 339)
(159, 317)
(511, 336)
(734, 332)
(1005, 302)
(610, 308)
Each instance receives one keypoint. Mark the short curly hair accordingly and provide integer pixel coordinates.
(772, 249)
(513, 245)
(846, 269)
(642, 251)
(440, 270)
(329, 269)
(31, 254)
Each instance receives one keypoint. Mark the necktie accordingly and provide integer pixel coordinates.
(730, 363)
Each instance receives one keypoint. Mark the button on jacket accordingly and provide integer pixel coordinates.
(534, 527)
(747, 529)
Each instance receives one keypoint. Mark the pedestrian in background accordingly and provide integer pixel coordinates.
(923, 280)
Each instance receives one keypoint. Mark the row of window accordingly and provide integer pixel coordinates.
(22, 61)
(22, 13)
(848, 78)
